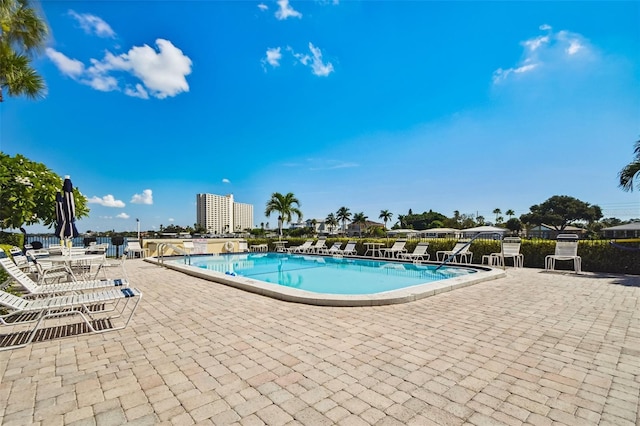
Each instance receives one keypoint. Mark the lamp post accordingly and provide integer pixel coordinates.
(138, 222)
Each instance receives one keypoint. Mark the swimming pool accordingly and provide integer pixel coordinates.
(336, 281)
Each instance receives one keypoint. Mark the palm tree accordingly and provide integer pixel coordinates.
(401, 219)
(497, 212)
(456, 217)
(386, 216)
(343, 215)
(510, 213)
(22, 33)
(331, 221)
(286, 206)
(631, 170)
(361, 220)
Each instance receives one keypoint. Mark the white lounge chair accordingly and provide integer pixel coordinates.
(419, 253)
(319, 245)
(566, 249)
(459, 252)
(133, 248)
(90, 307)
(349, 249)
(65, 287)
(110, 264)
(21, 260)
(336, 248)
(395, 250)
(302, 248)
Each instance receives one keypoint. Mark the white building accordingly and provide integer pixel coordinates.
(219, 214)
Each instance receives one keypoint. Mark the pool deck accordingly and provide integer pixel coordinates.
(531, 348)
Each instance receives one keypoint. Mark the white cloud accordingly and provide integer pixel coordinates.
(145, 198)
(225, 180)
(138, 92)
(263, 7)
(160, 72)
(319, 68)
(70, 67)
(106, 201)
(123, 216)
(171, 219)
(574, 47)
(551, 51)
(535, 43)
(321, 164)
(92, 24)
(286, 11)
(314, 60)
(273, 57)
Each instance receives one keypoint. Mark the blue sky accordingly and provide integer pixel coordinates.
(373, 105)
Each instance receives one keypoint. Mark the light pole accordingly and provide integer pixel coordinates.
(138, 222)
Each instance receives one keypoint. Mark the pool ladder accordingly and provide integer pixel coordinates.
(176, 249)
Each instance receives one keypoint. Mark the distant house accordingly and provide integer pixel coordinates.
(628, 230)
(441, 233)
(355, 229)
(548, 232)
(487, 231)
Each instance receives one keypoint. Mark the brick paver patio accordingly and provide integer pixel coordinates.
(533, 348)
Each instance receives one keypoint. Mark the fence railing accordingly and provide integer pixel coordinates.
(46, 241)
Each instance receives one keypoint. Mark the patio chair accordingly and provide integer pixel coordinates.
(419, 253)
(21, 260)
(459, 252)
(566, 249)
(133, 248)
(319, 245)
(90, 307)
(395, 250)
(336, 248)
(35, 289)
(509, 249)
(47, 273)
(349, 249)
(302, 248)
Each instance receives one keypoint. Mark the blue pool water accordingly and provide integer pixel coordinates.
(326, 275)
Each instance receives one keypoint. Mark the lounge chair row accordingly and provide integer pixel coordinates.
(101, 305)
(565, 250)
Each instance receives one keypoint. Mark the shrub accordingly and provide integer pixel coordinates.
(597, 255)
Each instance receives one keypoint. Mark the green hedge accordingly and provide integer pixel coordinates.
(597, 255)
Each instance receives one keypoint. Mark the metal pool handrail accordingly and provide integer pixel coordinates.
(176, 249)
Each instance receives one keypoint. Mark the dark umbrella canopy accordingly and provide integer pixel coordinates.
(68, 211)
(59, 215)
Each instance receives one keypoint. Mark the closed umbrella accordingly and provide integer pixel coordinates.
(59, 215)
(68, 211)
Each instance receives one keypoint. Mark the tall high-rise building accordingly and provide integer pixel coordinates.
(219, 214)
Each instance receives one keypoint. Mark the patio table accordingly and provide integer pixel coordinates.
(374, 249)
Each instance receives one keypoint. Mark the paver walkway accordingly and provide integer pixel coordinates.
(533, 348)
